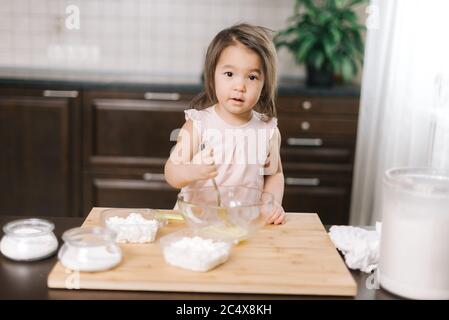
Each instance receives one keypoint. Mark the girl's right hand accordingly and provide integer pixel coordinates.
(202, 166)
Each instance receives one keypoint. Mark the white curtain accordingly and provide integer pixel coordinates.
(404, 111)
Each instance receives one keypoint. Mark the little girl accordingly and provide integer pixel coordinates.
(232, 135)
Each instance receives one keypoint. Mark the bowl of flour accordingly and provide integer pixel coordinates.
(133, 225)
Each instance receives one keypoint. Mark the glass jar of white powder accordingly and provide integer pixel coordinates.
(28, 240)
(89, 249)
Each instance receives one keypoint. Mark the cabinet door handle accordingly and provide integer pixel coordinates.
(166, 96)
(148, 176)
(60, 93)
(305, 142)
(302, 181)
(307, 105)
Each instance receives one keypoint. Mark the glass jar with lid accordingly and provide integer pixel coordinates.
(89, 249)
(414, 255)
(28, 240)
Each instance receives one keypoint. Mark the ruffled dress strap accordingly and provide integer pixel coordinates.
(193, 114)
(197, 117)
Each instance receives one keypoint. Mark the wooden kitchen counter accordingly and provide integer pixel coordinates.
(28, 280)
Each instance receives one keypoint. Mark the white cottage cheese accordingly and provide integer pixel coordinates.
(134, 228)
(196, 253)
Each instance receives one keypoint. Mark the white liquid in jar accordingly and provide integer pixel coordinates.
(414, 249)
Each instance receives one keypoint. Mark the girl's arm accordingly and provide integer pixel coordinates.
(275, 185)
(274, 181)
(176, 168)
(182, 168)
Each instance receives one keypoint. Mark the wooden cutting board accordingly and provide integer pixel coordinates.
(295, 258)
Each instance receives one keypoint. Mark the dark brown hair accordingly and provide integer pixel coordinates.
(259, 40)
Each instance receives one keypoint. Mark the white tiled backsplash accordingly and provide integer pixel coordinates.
(155, 38)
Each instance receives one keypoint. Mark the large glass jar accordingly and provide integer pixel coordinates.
(414, 249)
(28, 240)
(89, 249)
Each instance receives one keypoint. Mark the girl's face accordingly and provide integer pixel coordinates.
(238, 81)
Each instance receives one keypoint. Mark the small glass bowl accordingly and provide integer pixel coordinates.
(194, 250)
(89, 249)
(143, 231)
(29, 240)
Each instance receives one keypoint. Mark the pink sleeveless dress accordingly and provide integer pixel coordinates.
(240, 152)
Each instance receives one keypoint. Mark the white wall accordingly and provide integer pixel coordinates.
(151, 38)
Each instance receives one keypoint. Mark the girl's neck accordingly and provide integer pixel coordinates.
(233, 119)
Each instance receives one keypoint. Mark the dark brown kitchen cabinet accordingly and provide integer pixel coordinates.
(67, 149)
(131, 131)
(40, 156)
(330, 203)
(323, 188)
(136, 188)
(318, 146)
(128, 136)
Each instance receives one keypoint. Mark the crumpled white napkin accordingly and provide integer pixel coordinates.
(360, 247)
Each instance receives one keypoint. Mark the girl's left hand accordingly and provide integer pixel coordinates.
(278, 214)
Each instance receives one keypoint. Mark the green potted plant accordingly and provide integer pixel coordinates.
(325, 36)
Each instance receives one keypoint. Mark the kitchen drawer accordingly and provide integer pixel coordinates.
(317, 149)
(315, 175)
(47, 91)
(312, 126)
(318, 154)
(318, 187)
(128, 131)
(132, 188)
(318, 105)
(330, 203)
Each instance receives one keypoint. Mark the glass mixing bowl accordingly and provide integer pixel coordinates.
(243, 210)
